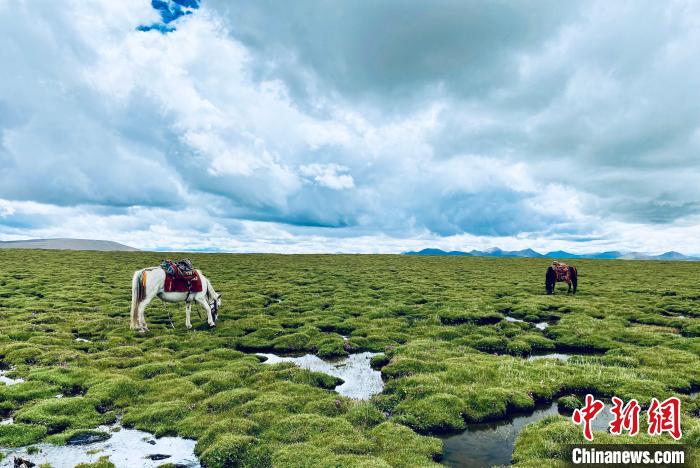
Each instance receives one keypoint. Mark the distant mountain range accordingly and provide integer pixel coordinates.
(529, 253)
(67, 244)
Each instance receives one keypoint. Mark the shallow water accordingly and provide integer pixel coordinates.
(538, 325)
(361, 381)
(126, 449)
(489, 444)
(7, 380)
(559, 356)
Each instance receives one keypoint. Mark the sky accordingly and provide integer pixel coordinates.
(366, 126)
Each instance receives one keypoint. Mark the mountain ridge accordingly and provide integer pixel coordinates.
(530, 253)
(68, 243)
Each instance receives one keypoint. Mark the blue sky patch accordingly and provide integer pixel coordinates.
(170, 10)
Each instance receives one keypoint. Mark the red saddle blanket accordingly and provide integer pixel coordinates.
(175, 283)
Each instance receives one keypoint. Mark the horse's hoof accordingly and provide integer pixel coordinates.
(212, 325)
(189, 327)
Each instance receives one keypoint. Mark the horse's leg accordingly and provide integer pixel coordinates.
(142, 307)
(569, 291)
(188, 309)
(201, 301)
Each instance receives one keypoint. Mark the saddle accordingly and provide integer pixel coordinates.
(562, 271)
(181, 269)
(181, 277)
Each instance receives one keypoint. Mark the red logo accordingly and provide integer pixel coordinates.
(662, 417)
(665, 417)
(587, 414)
(626, 417)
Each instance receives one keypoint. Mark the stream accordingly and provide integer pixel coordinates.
(361, 381)
(7, 380)
(126, 448)
(558, 356)
(492, 443)
(538, 325)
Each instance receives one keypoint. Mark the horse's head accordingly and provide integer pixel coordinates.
(215, 305)
(550, 280)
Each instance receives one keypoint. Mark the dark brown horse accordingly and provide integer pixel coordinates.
(558, 272)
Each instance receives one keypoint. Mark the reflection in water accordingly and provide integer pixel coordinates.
(559, 356)
(361, 381)
(7, 380)
(489, 444)
(538, 325)
(126, 448)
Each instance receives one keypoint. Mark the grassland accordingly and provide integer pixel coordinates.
(449, 357)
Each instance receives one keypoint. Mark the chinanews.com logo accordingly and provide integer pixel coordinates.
(661, 417)
(629, 455)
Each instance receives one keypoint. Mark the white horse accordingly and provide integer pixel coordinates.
(149, 282)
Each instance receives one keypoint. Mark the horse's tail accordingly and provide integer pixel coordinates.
(574, 277)
(137, 293)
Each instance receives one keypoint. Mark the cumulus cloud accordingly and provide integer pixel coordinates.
(372, 125)
(328, 175)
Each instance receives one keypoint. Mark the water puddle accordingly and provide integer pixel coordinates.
(7, 380)
(126, 448)
(559, 356)
(361, 381)
(538, 325)
(491, 444)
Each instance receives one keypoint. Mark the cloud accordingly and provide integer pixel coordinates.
(389, 49)
(351, 126)
(328, 175)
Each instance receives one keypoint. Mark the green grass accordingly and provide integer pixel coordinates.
(448, 356)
